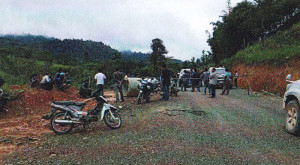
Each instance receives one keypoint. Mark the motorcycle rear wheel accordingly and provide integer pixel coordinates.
(112, 121)
(61, 128)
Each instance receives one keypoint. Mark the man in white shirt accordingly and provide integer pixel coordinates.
(46, 82)
(100, 77)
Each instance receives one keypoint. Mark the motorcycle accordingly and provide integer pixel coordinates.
(145, 88)
(67, 115)
(174, 91)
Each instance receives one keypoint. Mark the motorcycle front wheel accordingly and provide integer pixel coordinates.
(148, 98)
(139, 98)
(60, 128)
(112, 119)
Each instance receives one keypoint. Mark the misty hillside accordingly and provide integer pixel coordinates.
(73, 48)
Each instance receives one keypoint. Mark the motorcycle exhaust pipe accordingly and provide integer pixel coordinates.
(57, 121)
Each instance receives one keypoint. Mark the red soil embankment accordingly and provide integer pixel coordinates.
(267, 77)
(23, 124)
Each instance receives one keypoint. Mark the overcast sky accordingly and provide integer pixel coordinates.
(122, 24)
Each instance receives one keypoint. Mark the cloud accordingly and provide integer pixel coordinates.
(123, 24)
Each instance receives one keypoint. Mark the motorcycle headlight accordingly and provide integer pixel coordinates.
(148, 86)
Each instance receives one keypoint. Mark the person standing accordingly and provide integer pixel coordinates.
(227, 82)
(236, 75)
(165, 79)
(100, 77)
(205, 78)
(118, 80)
(184, 79)
(213, 82)
(195, 80)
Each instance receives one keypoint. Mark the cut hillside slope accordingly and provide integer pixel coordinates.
(267, 77)
(278, 49)
(267, 66)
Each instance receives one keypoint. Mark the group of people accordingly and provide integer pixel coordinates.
(60, 79)
(100, 78)
(118, 80)
(208, 80)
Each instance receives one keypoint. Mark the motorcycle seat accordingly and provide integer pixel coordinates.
(69, 103)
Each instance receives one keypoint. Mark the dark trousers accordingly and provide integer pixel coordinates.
(183, 85)
(3, 102)
(47, 86)
(99, 90)
(235, 81)
(165, 90)
(206, 86)
(213, 90)
(226, 87)
(195, 84)
(117, 89)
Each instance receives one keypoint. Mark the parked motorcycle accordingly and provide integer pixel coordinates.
(156, 87)
(174, 91)
(145, 88)
(67, 115)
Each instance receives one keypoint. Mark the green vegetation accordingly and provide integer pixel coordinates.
(20, 57)
(282, 46)
(249, 22)
(279, 48)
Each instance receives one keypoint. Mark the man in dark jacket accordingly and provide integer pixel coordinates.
(195, 80)
(118, 80)
(165, 79)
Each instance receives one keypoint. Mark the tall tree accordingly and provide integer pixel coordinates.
(157, 57)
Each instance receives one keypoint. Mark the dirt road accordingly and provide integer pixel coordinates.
(189, 129)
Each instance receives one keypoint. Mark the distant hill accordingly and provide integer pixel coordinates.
(74, 48)
(135, 55)
(142, 56)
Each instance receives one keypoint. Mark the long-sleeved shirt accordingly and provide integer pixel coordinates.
(213, 78)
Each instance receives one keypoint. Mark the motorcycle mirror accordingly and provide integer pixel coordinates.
(288, 77)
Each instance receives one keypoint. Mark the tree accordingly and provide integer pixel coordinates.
(248, 22)
(157, 57)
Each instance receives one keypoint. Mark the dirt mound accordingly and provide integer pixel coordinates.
(23, 121)
(267, 77)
